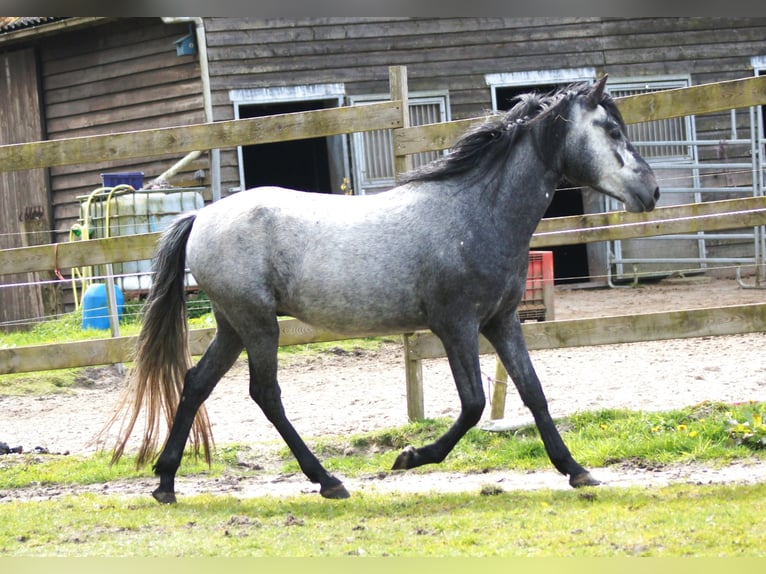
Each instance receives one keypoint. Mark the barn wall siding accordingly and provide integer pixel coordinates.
(24, 204)
(456, 53)
(116, 77)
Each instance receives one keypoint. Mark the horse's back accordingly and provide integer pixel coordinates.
(326, 259)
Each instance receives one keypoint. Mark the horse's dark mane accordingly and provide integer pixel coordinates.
(490, 142)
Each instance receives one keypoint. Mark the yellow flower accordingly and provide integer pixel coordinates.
(603, 426)
(681, 427)
(693, 433)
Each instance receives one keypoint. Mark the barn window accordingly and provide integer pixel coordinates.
(373, 152)
(659, 139)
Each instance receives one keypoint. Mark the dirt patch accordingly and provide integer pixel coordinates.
(342, 393)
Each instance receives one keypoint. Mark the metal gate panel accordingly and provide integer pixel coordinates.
(373, 152)
(672, 149)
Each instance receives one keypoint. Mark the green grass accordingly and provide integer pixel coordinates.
(676, 521)
(684, 520)
(39, 383)
(66, 328)
(602, 438)
(599, 438)
(49, 470)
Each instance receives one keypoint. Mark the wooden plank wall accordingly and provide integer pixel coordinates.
(116, 77)
(456, 53)
(24, 203)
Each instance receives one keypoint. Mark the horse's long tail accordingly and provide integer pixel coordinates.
(162, 357)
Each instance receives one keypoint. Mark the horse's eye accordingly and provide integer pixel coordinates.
(614, 131)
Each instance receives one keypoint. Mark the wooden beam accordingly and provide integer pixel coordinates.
(689, 218)
(658, 326)
(122, 349)
(78, 253)
(413, 378)
(66, 355)
(431, 137)
(702, 99)
(184, 139)
(423, 344)
(398, 88)
(616, 218)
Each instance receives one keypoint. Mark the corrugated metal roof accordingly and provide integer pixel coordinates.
(14, 23)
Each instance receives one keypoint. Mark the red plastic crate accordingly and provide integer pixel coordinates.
(537, 303)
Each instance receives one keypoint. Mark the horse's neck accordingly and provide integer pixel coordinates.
(524, 191)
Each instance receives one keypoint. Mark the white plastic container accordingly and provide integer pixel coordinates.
(132, 213)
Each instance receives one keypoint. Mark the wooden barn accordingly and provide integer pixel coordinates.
(68, 77)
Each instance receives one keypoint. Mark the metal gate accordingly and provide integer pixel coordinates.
(711, 169)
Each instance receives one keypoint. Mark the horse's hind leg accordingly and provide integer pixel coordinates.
(505, 334)
(198, 384)
(264, 389)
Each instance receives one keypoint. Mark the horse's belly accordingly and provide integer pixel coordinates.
(356, 314)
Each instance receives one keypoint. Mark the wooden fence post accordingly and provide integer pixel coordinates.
(413, 371)
(497, 411)
(397, 79)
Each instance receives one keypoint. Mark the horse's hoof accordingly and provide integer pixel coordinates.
(405, 459)
(583, 479)
(336, 492)
(164, 497)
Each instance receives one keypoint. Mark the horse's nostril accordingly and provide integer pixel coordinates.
(656, 193)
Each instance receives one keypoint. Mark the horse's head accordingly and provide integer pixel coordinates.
(598, 154)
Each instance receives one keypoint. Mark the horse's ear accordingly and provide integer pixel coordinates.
(597, 91)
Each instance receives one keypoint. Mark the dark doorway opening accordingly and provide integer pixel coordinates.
(299, 164)
(570, 262)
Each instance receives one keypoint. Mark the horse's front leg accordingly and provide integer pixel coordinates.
(462, 347)
(504, 332)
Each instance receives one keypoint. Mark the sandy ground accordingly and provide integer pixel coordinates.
(339, 393)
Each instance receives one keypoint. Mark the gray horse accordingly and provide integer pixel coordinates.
(447, 250)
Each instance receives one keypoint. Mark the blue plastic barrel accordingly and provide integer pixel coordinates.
(95, 307)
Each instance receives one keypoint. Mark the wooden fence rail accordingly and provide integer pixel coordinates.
(184, 139)
(694, 100)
